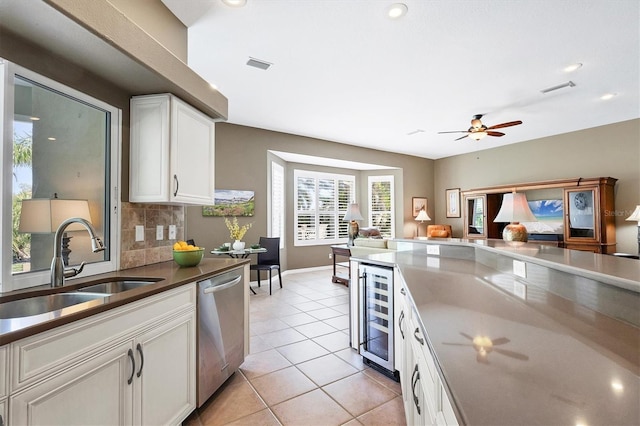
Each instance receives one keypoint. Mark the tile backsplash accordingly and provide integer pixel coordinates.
(138, 253)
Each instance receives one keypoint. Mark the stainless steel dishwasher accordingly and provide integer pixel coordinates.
(220, 330)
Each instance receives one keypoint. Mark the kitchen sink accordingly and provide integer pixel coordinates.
(43, 304)
(115, 286)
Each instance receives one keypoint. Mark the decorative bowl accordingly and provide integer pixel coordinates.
(223, 248)
(255, 246)
(188, 257)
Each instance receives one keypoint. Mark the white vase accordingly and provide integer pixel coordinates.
(238, 245)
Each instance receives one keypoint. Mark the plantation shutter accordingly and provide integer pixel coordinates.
(381, 204)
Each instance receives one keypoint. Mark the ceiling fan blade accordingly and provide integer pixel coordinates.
(462, 137)
(492, 133)
(455, 131)
(509, 124)
(500, 341)
(466, 335)
(512, 354)
(456, 344)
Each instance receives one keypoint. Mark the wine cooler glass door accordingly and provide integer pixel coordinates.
(376, 321)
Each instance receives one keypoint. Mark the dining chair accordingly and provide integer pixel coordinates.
(269, 260)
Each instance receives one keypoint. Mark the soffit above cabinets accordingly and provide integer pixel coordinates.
(99, 38)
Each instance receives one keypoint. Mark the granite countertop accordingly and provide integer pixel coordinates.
(553, 361)
(167, 274)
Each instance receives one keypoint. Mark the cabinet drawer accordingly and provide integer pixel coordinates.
(47, 353)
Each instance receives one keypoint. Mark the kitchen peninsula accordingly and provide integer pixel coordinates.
(523, 334)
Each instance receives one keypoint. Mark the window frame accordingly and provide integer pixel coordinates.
(277, 203)
(10, 282)
(370, 218)
(337, 212)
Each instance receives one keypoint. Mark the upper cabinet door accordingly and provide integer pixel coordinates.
(475, 216)
(582, 207)
(172, 152)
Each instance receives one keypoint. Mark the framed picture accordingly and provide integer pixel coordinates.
(453, 202)
(418, 204)
(230, 202)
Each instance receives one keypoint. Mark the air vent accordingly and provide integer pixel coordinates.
(257, 63)
(559, 86)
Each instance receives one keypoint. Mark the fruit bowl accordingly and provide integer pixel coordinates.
(188, 257)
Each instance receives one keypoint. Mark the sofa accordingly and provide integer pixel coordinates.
(365, 246)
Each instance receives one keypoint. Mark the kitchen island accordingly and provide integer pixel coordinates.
(543, 341)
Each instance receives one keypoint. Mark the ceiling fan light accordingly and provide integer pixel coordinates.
(477, 135)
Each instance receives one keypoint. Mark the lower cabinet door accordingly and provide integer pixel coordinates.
(93, 392)
(165, 388)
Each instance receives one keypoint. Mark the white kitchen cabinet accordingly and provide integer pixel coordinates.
(164, 383)
(171, 152)
(130, 365)
(4, 385)
(3, 412)
(93, 392)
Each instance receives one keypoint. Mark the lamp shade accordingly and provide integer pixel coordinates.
(422, 216)
(44, 215)
(635, 216)
(515, 209)
(353, 213)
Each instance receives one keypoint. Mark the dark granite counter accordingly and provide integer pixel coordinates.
(168, 275)
(566, 350)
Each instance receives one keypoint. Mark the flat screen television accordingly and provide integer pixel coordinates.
(550, 215)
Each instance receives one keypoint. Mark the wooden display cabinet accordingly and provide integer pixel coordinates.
(589, 224)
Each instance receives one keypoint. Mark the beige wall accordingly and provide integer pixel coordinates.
(242, 163)
(158, 21)
(612, 150)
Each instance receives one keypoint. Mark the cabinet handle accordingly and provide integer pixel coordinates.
(175, 179)
(419, 339)
(400, 319)
(415, 377)
(133, 366)
(403, 291)
(139, 349)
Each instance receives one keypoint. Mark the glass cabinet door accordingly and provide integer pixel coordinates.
(475, 217)
(581, 210)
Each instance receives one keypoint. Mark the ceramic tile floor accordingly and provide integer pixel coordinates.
(301, 370)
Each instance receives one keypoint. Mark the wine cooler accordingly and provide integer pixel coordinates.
(376, 315)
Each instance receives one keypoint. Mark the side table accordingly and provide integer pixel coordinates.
(341, 270)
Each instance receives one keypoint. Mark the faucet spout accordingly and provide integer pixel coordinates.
(58, 271)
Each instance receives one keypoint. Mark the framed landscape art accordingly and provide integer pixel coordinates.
(231, 202)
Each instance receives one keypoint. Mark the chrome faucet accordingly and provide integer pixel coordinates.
(58, 272)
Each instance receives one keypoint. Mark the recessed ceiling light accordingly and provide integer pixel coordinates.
(213, 86)
(608, 96)
(51, 139)
(397, 10)
(573, 67)
(235, 3)
(34, 118)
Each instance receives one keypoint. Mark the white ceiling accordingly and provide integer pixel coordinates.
(345, 72)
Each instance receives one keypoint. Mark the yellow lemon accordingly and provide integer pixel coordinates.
(177, 246)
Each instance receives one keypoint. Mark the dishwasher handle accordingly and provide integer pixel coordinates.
(220, 287)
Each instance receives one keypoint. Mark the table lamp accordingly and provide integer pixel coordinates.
(514, 209)
(44, 215)
(352, 216)
(635, 216)
(422, 216)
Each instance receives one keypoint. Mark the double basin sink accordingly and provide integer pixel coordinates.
(37, 305)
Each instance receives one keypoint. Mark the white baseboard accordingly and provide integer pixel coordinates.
(293, 271)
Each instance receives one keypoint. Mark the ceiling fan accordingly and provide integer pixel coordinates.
(484, 345)
(478, 130)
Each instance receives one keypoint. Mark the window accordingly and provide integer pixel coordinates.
(321, 202)
(381, 205)
(277, 202)
(64, 144)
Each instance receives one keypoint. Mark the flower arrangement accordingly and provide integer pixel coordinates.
(236, 232)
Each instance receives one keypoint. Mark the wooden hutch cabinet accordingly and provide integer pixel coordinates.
(588, 206)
